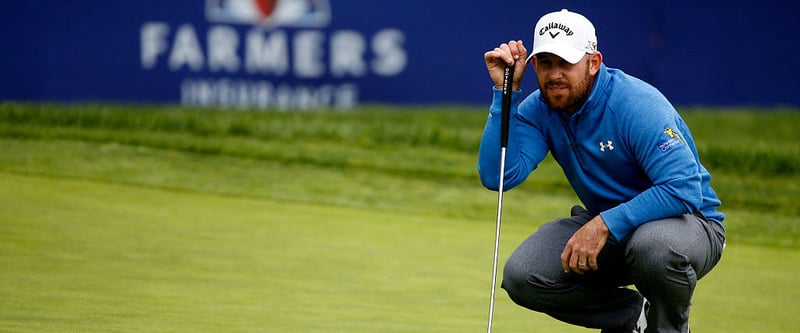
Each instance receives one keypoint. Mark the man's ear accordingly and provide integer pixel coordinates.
(595, 61)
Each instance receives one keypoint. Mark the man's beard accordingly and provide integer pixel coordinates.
(578, 94)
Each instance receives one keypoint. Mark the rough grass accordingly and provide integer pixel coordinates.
(754, 155)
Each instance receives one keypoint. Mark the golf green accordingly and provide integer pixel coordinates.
(85, 256)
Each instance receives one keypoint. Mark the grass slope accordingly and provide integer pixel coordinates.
(95, 257)
(380, 154)
(130, 219)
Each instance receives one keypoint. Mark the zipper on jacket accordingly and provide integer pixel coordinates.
(573, 143)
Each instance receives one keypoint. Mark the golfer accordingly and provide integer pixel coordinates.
(650, 217)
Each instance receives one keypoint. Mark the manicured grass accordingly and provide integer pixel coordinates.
(87, 256)
(162, 219)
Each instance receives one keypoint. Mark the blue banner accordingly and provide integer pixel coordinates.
(291, 54)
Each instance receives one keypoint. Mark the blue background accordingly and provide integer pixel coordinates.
(717, 53)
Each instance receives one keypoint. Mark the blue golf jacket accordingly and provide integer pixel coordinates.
(627, 152)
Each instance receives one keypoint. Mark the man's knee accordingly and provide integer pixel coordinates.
(653, 256)
(515, 280)
(528, 288)
(533, 276)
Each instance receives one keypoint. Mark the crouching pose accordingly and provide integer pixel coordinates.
(650, 216)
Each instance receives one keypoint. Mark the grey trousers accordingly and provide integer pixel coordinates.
(662, 258)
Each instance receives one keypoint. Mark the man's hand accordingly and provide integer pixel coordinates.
(580, 254)
(507, 54)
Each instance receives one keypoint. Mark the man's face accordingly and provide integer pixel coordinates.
(564, 86)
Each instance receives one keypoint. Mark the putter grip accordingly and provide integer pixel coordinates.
(506, 106)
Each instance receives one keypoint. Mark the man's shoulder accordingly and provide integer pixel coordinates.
(630, 93)
(634, 104)
(625, 86)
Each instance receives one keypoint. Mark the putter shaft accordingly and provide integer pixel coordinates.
(504, 125)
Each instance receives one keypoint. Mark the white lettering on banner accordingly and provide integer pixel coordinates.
(263, 94)
(270, 52)
(309, 62)
(267, 55)
(272, 55)
(347, 54)
(153, 39)
(186, 50)
(223, 55)
(391, 58)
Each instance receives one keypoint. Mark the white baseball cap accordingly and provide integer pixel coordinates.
(566, 34)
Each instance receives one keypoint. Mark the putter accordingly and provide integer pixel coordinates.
(504, 119)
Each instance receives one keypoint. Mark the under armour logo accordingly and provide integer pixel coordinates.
(607, 145)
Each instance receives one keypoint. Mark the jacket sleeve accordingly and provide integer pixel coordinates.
(526, 144)
(658, 141)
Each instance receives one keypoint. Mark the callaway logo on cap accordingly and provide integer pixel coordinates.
(566, 34)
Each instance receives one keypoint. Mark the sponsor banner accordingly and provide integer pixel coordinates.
(304, 54)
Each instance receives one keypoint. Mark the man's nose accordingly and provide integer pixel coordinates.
(555, 74)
